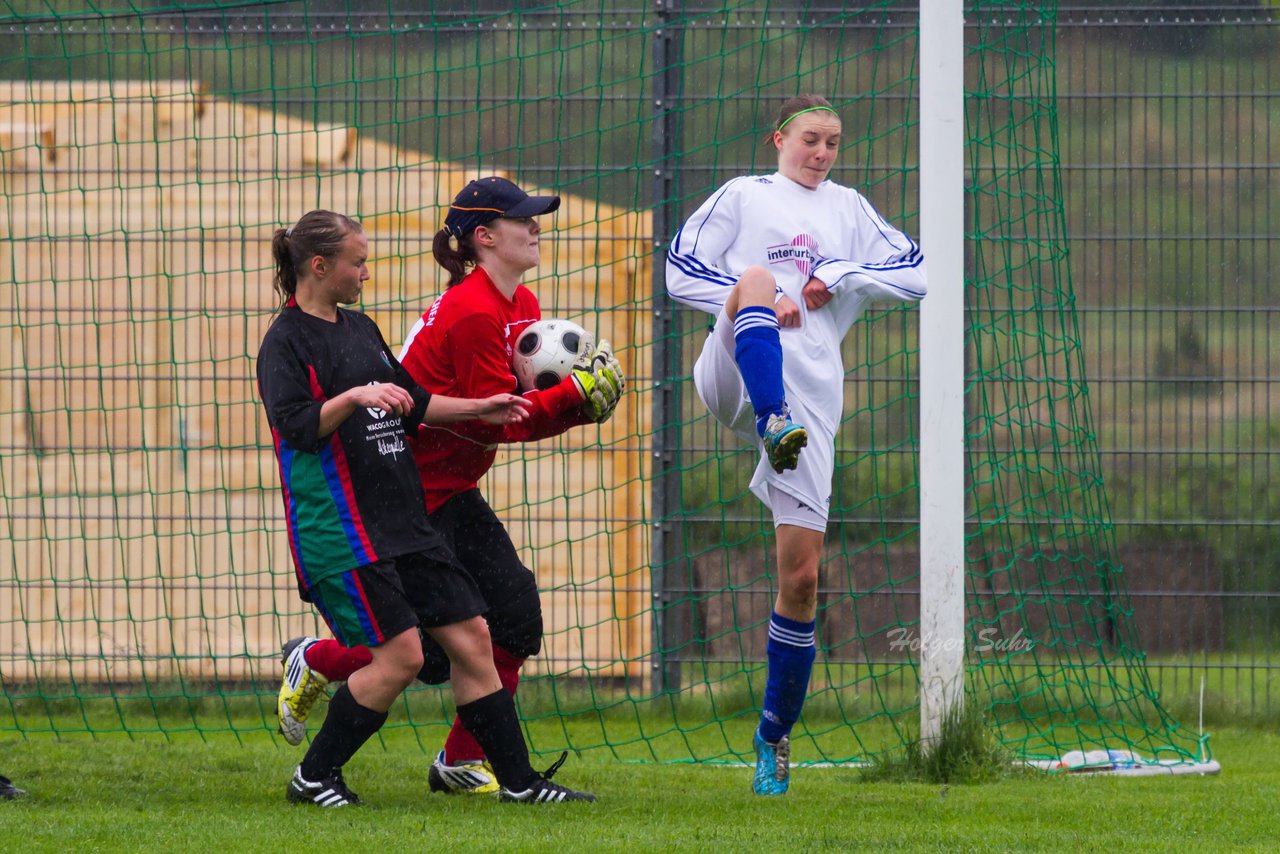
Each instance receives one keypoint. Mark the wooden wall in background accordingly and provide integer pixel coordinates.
(141, 521)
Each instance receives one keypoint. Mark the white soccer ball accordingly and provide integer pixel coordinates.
(545, 353)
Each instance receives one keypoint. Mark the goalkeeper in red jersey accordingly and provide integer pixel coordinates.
(462, 346)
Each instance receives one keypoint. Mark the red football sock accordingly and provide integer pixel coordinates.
(334, 661)
(461, 745)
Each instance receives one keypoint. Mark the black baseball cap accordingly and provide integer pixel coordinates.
(486, 199)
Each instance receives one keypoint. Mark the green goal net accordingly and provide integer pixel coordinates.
(148, 150)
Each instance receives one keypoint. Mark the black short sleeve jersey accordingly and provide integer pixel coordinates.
(352, 497)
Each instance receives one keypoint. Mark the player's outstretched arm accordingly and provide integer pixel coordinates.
(495, 409)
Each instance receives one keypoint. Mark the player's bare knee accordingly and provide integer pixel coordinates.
(756, 286)
(408, 669)
(473, 642)
(478, 631)
(400, 659)
(802, 587)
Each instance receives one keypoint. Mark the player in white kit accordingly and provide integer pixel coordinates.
(787, 262)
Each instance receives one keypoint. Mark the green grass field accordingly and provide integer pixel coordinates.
(116, 793)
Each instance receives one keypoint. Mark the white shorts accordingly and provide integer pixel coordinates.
(719, 384)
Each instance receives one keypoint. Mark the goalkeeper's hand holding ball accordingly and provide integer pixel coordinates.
(600, 379)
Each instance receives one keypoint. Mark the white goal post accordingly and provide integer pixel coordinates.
(942, 513)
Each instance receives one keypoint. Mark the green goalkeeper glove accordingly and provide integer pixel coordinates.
(600, 379)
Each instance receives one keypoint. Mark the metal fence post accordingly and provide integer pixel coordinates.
(666, 543)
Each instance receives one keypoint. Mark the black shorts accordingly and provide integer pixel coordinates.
(440, 590)
(369, 605)
(477, 537)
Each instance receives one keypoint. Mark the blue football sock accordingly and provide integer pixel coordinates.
(791, 652)
(758, 352)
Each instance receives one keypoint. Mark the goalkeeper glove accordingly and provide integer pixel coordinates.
(599, 378)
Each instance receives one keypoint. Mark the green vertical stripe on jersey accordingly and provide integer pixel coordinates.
(324, 547)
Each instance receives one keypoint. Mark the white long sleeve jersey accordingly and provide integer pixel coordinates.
(831, 233)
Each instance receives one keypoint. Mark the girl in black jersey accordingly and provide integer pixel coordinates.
(339, 405)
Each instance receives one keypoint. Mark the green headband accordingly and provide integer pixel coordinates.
(807, 110)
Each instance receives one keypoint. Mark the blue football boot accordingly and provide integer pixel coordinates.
(773, 766)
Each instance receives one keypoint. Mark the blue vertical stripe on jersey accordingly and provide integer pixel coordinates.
(319, 544)
(344, 503)
(695, 268)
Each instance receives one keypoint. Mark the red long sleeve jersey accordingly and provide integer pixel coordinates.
(462, 347)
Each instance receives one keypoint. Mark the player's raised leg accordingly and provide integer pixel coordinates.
(758, 352)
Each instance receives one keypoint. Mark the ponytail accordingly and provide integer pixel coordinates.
(454, 261)
(285, 280)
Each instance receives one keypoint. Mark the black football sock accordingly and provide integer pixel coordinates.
(347, 726)
(496, 726)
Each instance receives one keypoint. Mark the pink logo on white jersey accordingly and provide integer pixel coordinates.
(802, 251)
